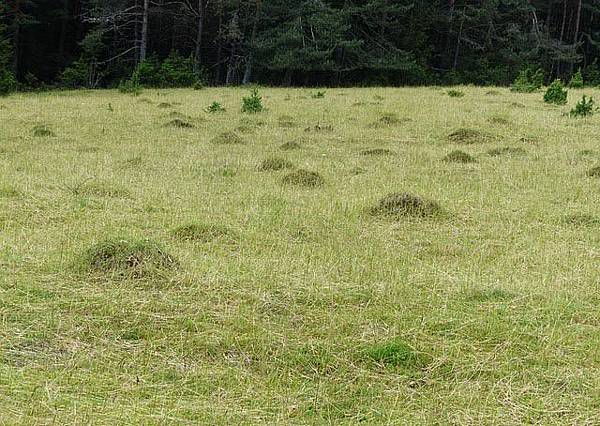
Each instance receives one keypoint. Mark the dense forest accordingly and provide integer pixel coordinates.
(99, 43)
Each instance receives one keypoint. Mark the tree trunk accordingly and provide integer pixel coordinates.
(16, 36)
(248, 72)
(144, 39)
(64, 22)
(198, 52)
(576, 35)
(219, 44)
(457, 50)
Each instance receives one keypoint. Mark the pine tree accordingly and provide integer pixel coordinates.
(7, 79)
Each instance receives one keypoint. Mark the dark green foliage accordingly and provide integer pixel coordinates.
(8, 82)
(528, 81)
(576, 80)
(203, 233)
(132, 85)
(404, 204)
(459, 157)
(318, 95)
(274, 164)
(124, 258)
(455, 93)
(304, 178)
(556, 94)
(174, 71)
(584, 108)
(215, 107)
(253, 103)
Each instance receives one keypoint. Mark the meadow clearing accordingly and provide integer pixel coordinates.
(155, 269)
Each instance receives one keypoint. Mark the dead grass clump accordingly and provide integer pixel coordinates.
(122, 258)
(404, 204)
(289, 146)
(228, 138)
(506, 150)
(502, 121)
(492, 93)
(319, 128)
(43, 131)
(180, 124)
(459, 157)
(377, 151)
(164, 105)
(304, 178)
(274, 164)
(201, 232)
(594, 172)
(468, 136)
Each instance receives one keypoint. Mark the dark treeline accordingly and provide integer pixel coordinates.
(97, 43)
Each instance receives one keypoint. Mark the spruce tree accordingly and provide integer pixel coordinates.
(7, 79)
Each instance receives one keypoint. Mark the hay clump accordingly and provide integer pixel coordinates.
(274, 164)
(164, 105)
(458, 156)
(404, 204)
(228, 138)
(134, 259)
(304, 178)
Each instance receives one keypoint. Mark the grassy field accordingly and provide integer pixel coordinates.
(157, 273)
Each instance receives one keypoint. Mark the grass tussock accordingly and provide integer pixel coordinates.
(274, 164)
(468, 136)
(286, 122)
(458, 156)
(228, 138)
(43, 131)
(320, 128)
(405, 205)
(395, 353)
(488, 295)
(304, 178)
(99, 189)
(377, 152)
(506, 150)
(164, 105)
(122, 258)
(581, 219)
(498, 120)
(203, 233)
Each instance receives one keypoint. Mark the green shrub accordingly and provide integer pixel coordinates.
(528, 82)
(455, 93)
(556, 94)
(584, 108)
(149, 72)
(215, 107)
(253, 103)
(576, 80)
(318, 95)
(132, 85)
(177, 71)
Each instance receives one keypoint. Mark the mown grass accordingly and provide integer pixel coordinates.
(155, 275)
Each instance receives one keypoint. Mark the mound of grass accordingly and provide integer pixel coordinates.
(164, 105)
(180, 124)
(492, 93)
(179, 115)
(319, 128)
(594, 172)
(43, 131)
(122, 258)
(404, 204)
(274, 164)
(506, 150)
(377, 151)
(498, 120)
(458, 156)
(228, 138)
(455, 93)
(289, 146)
(304, 178)
(395, 353)
(99, 189)
(201, 232)
(390, 119)
(468, 136)
(581, 219)
(286, 122)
